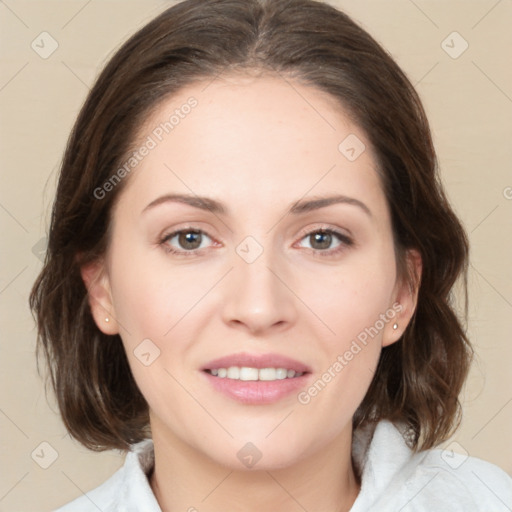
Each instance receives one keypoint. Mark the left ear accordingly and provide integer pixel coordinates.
(405, 298)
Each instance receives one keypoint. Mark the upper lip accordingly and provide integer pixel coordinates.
(257, 361)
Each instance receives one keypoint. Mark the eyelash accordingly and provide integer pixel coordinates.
(345, 242)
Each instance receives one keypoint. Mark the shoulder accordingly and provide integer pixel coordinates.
(395, 478)
(482, 485)
(126, 490)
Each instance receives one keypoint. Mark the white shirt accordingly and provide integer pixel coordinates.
(394, 479)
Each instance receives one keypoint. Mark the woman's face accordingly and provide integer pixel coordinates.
(283, 264)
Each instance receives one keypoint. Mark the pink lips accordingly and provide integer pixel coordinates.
(257, 392)
(257, 361)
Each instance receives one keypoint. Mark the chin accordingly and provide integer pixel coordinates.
(259, 454)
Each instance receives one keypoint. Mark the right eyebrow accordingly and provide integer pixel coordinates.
(204, 203)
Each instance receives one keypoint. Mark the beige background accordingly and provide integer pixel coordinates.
(468, 100)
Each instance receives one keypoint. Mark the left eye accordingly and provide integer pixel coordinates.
(187, 240)
(323, 239)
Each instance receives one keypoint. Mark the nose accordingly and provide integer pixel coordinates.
(259, 297)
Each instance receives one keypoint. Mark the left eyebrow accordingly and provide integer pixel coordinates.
(315, 204)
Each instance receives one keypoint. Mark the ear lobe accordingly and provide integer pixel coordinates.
(97, 282)
(405, 299)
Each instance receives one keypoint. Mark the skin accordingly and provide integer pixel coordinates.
(257, 145)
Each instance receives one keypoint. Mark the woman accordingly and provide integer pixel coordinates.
(249, 273)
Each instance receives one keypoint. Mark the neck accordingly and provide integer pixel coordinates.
(187, 480)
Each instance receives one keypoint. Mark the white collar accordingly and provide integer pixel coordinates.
(393, 478)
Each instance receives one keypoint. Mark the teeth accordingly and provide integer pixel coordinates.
(267, 374)
(281, 373)
(246, 373)
(234, 372)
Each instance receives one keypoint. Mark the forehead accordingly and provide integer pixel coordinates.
(238, 138)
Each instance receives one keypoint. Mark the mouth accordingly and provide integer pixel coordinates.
(246, 373)
(256, 379)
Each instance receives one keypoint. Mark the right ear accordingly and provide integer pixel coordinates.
(99, 294)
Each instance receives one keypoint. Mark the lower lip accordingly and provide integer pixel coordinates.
(257, 392)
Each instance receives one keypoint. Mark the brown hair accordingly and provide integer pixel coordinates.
(419, 378)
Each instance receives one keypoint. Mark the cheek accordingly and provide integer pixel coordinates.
(353, 303)
(163, 310)
(154, 304)
(152, 296)
(356, 311)
(350, 300)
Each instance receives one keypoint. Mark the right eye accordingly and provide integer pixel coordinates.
(185, 241)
